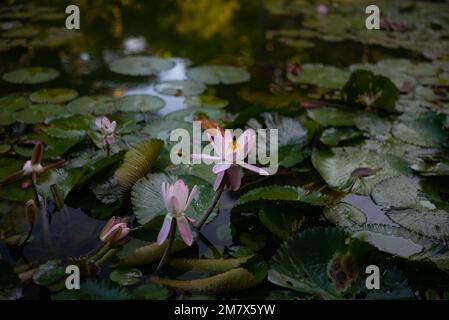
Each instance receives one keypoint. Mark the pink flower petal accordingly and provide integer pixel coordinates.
(234, 177)
(251, 167)
(163, 234)
(184, 230)
(181, 192)
(218, 180)
(220, 167)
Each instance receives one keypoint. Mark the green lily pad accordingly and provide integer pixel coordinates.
(188, 115)
(366, 88)
(21, 32)
(206, 101)
(328, 77)
(255, 242)
(49, 273)
(4, 148)
(53, 95)
(6, 118)
(213, 75)
(332, 117)
(140, 65)
(333, 136)
(424, 131)
(95, 290)
(56, 132)
(151, 291)
(373, 125)
(126, 277)
(180, 88)
(337, 167)
(98, 105)
(283, 224)
(32, 75)
(345, 215)
(139, 103)
(14, 103)
(316, 272)
(40, 113)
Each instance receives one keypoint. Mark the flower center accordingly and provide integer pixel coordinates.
(234, 145)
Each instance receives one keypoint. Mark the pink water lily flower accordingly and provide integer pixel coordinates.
(107, 128)
(116, 229)
(322, 9)
(177, 199)
(231, 152)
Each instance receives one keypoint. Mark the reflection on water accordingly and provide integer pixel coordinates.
(373, 212)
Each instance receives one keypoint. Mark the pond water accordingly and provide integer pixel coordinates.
(277, 42)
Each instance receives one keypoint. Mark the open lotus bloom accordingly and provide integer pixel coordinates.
(231, 152)
(177, 199)
(107, 128)
(116, 229)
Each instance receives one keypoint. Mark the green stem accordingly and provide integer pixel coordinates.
(108, 256)
(171, 238)
(212, 206)
(103, 250)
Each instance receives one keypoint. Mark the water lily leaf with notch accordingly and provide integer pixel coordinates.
(424, 131)
(49, 273)
(328, 77)
(206, 101)
(54, 146)
(55, 95)
(40, 113)
(138, 162)
(403, 243)
(126, 277)
(213, 75)
(366, 88)
(31, 75)
(296, 266)
(180, 88)
(285, 193)
(140, 65)
(151, 291)
(148, 203)
(333, 136)
(139, 103)
(336, 166)
(345, 215)
(333, 117)
(98, 105)
(95, 290)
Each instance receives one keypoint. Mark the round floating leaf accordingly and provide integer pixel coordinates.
(339, 167)
(95, 290)
(180, 88)
(139, 103)
(98, 105)
(151, 291)
(13, 103)
(32, 75)
(126, 277)
(373, 125)
(333, 136)
(49, 273)
(345, 215)
(424, 131)
(161, 128)
(206, 101)
(6, 118)
(318, 262)
(366, 88)
(399, 193)
(53, 95)
(189, 115)
(283, 224)
(140, 65)
(40, 113)
(213, 75)
(321, 76)
(4, 148)
(332, 117)
(56, 132)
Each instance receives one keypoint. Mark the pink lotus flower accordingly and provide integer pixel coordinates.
(231, 153)
(177, 199)
(321, 9)
(116, 229)
(107, 128)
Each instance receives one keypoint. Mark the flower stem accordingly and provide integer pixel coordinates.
(101, 252)
(171, 238)
(212, 206)
(108, 256)
(108, 149)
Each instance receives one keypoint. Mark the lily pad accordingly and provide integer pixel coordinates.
(14, 103)
(332, 117)
(98, 105)
(345, 215)
(140, 65)
(53, 95)
(40, 113)
(213, 75)
(206, 101)
(32, 75)
(180, 88)
(96, 290)
(139, 103)
(328, 77)
(49, 273)
(151, 291)
(21, 32)
(126, 277)
(333, 136)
